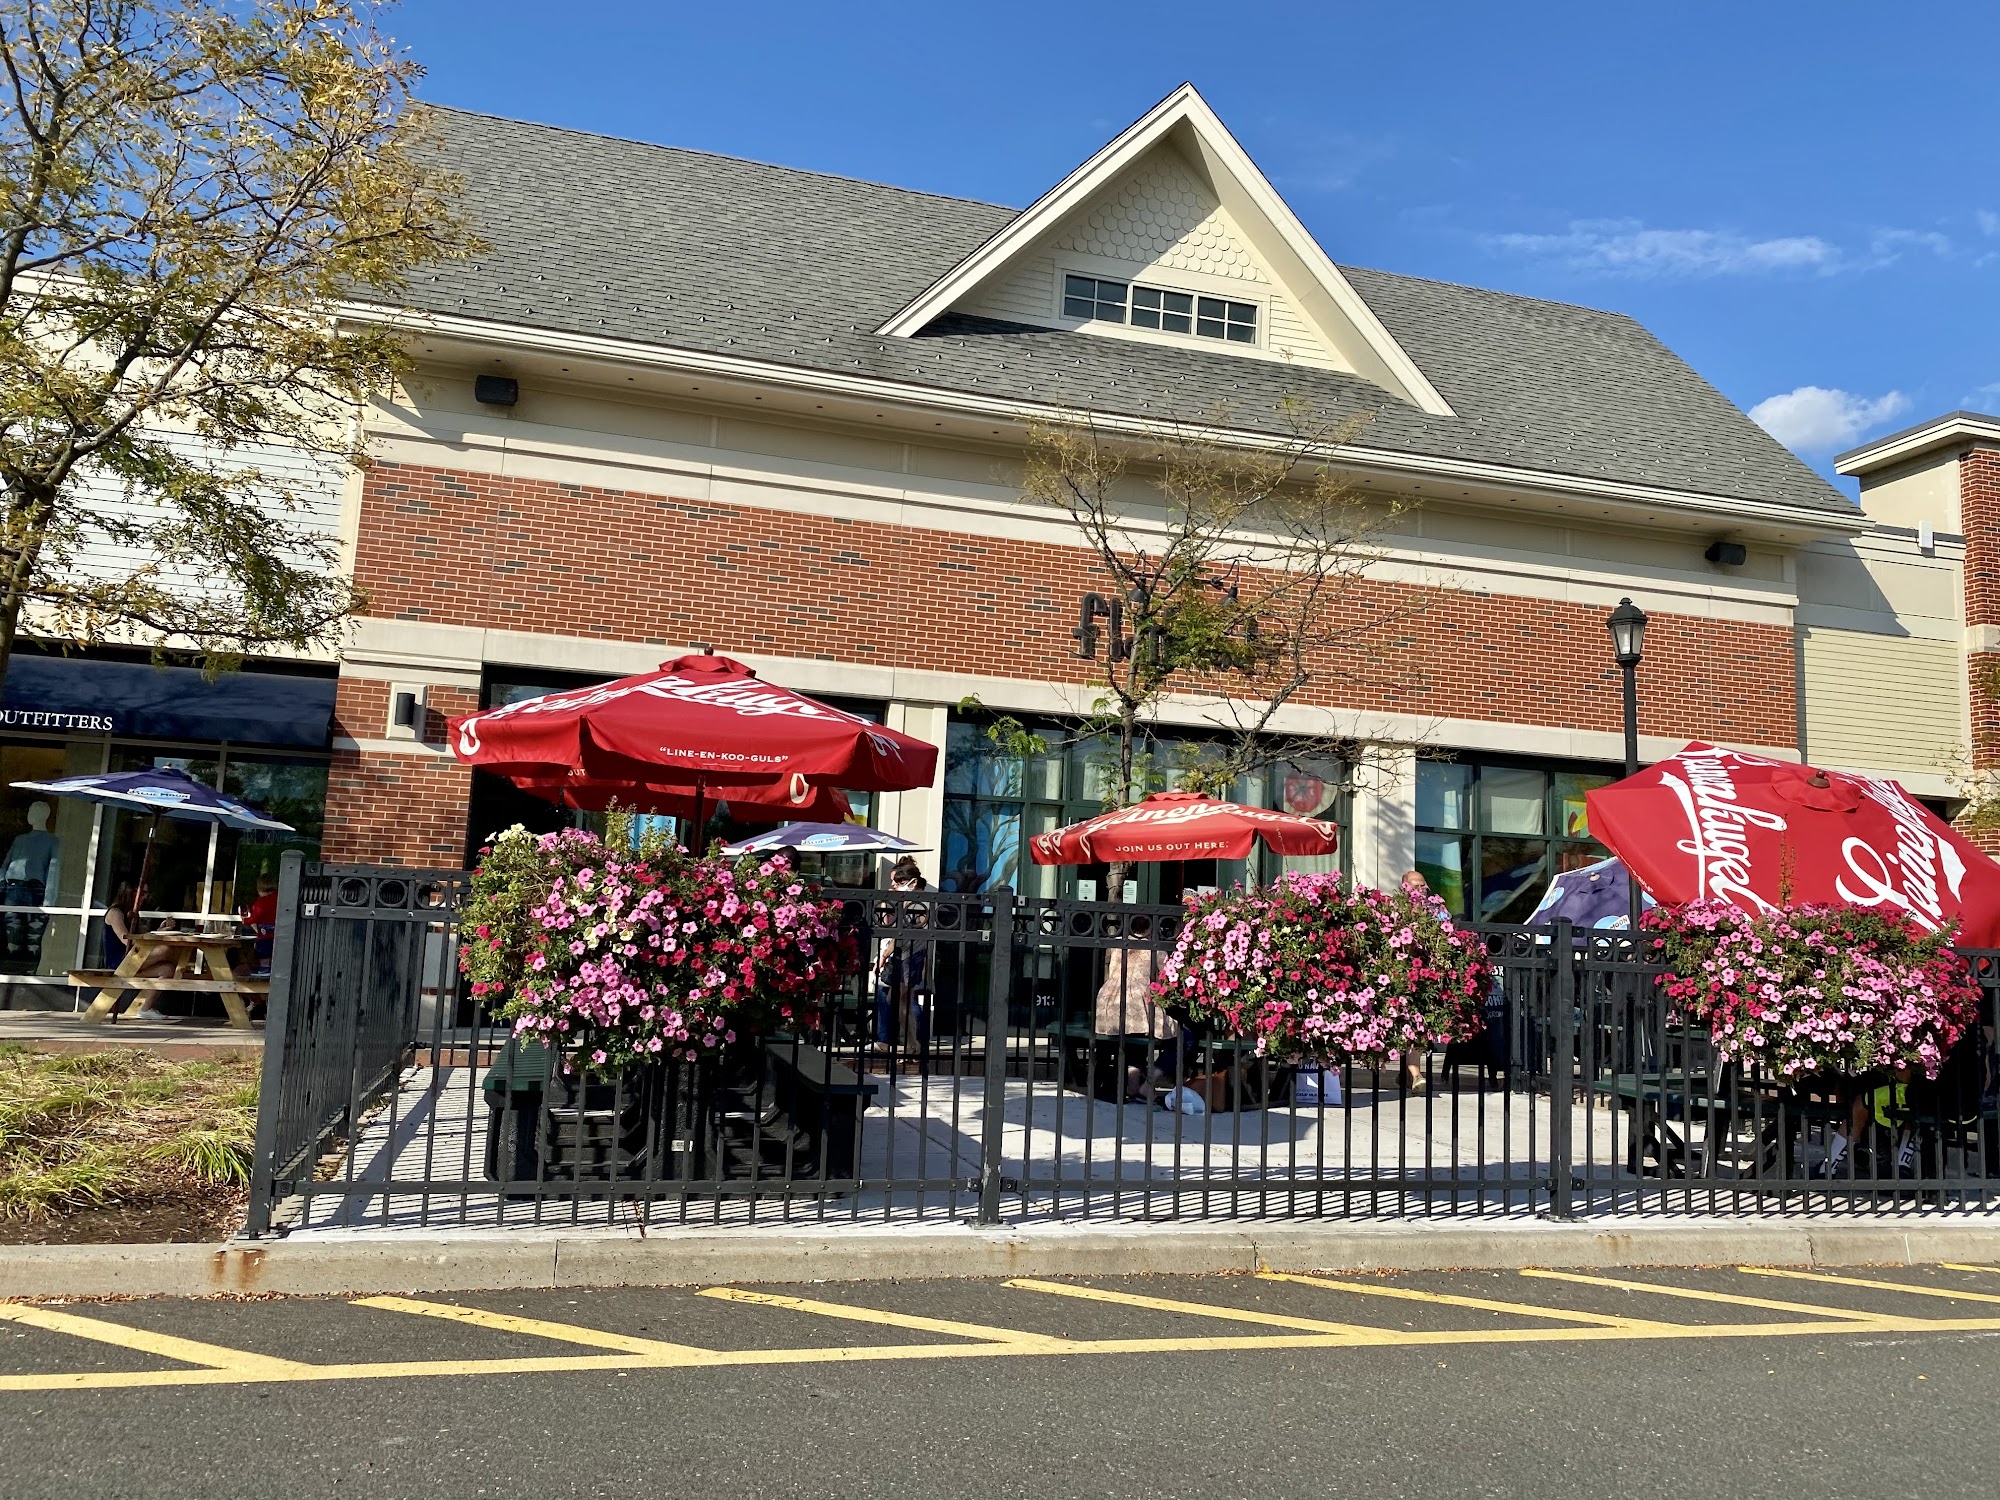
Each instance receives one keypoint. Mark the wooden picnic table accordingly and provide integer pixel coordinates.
(212, 948)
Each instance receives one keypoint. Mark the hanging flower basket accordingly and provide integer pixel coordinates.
(1311, 968)
(615, 957)
(1816, 989)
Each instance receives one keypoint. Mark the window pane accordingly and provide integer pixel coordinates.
(1443, 792)
(1176, 322)
(982, 844)
(1513, 876)
(963, 745)
(1080, 286)
(1572, 812)
(1079, 307)
(45, 840)
(1243, 312)
(1212, 307)
(1241, 334)
(1145, 317)
(1146, 296)
(999, 774)
(292, 791)
(1041, 880)
(1441, 861)
(1111, 312)
(1179, 302)
(1512, 800)
(1209, 328)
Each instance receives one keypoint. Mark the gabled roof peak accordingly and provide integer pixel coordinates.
(1342, 317)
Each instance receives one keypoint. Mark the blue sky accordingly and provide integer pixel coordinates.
(1798, 198)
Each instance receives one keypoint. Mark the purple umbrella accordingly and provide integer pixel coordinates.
(165, 793)
(824, 838)
(1593, 895)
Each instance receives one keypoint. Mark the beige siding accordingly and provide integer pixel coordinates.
(1159, 222)
(1883, 702)
(305, 493)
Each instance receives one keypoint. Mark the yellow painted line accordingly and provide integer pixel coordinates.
(1024, 1347)
(1694, 1294)
(165, 1345)
(569, 1333)
(1451, 1299)
(1952, 1265)
(1198, 1309)
(1878, 1286)
(852, 1314)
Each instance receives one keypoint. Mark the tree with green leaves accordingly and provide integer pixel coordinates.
(1234, 576)
(188, 189)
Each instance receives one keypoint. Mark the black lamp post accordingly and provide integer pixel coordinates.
(1627, 625)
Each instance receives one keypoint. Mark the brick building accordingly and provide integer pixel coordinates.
(685, 398)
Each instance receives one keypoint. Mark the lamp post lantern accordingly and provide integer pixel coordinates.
(1627, 625)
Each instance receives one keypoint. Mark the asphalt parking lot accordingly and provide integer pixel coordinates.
(1725, 1382)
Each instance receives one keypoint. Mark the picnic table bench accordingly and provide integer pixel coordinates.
(214, 950)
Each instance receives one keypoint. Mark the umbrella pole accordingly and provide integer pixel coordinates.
(700, 788)
(145, 865)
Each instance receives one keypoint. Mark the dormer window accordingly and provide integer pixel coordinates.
(1087, 297)
(1101, 301)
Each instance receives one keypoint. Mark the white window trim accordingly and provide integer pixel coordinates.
(1188, 285)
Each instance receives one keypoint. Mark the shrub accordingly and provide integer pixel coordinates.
(1815, 988)
(1313, 968)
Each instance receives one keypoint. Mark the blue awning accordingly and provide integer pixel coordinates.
(71, 695)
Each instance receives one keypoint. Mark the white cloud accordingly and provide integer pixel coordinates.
(1813, 419)
(1989, 221)
(1626, 247)
(1984, 398)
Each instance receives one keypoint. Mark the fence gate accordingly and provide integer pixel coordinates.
(999, 1058)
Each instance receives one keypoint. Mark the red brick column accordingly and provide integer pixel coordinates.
(1979, 519)
(395, 807)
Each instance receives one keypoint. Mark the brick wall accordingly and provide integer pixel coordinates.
(395, 807)
(529, 555)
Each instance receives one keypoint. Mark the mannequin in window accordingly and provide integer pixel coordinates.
(28, 878)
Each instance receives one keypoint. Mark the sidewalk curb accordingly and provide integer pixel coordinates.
(404, 1263)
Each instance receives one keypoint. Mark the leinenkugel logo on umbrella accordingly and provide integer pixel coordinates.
(1176, 812)
(1717, 841)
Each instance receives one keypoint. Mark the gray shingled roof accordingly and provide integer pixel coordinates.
(596, 235)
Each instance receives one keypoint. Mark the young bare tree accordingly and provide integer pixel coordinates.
(1232, 574)
(187, 190)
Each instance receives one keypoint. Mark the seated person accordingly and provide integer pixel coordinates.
(1125, 1007)
(261, 917)
(121, 920)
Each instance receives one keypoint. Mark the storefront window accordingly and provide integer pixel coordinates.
(995, 802)
(44, 857)
(1491, 834)
(62, 859)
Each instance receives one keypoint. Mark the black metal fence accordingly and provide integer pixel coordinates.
(999, 1059)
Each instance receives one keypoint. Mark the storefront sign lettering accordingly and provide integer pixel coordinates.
(28, 718)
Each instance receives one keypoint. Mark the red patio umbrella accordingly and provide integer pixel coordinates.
(788, 800)
(1714, 824)
(699, 721)
(1181, 825)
